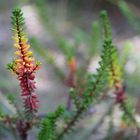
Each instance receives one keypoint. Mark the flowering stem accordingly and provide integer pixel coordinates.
(24, 67)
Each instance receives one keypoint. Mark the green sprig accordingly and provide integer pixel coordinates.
(17, 21)
(48, 125)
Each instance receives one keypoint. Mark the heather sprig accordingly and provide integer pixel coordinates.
(97, 81)
(114, 73)
(48, 125)
(115, 77)
(24, 66)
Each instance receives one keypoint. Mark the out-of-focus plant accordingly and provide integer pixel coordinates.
(127, 12)
(48, 57)
(70, 49)
(126, 51)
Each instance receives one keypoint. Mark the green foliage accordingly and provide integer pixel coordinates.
(47, 56)
(48, 125)
(127, 48)
(106, 25)
(11, 98)
(95, 38)
(123, 5)
(39, 48)
(128, 112)
(10, 66)
(17, 21)
(114, 73)
(97, 81)
(1, 114)
(66, 47)
(63, 44)
(133, 20)
(43, 11)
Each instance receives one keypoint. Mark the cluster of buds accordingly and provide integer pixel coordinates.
(120, 95)
(115, 77)
(24, 66)
(116, 82)
(72, 66)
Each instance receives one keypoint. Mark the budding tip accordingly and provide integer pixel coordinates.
(103, 13)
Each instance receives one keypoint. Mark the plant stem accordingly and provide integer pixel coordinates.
(71, 123)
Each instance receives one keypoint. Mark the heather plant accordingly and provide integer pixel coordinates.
(24, 67)
(85, 91)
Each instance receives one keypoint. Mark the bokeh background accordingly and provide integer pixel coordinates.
(52, 25)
